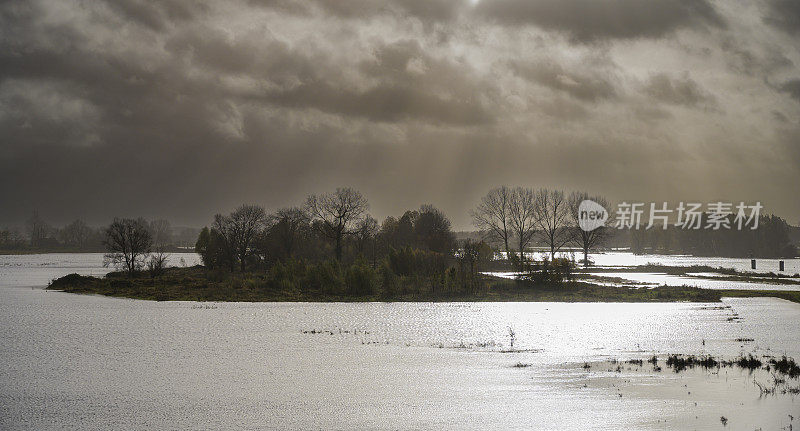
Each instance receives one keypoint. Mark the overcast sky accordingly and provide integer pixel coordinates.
(184, 108)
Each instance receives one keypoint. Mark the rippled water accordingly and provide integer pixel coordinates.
(40, 269)
(91, 362)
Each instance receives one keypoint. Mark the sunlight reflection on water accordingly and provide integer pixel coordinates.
(91, 362)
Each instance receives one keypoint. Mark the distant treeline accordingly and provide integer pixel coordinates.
(774, 238)
(337, 226)
(40, 236)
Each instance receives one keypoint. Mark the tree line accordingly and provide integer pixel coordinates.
(332, 240)
(516, 217)
(333, 244)
(772, 239)
(38, 235)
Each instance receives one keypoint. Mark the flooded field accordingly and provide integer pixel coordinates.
(706, 280)
(90, 362)
(621, 259)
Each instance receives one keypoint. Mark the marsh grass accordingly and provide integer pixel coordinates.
(198, 284)
(780, 368)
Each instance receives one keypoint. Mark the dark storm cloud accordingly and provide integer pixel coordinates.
(426, 10)
(382, 103)
(785, 15)
(677, 91)
(589, 20)
(576, 84)
(749, 63)
(791, 87)
(411, 85)
(258, 55)
(180, 109)
(156, 14)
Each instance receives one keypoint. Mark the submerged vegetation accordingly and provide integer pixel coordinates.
(784, 366)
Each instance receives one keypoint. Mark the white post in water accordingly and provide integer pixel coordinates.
(752, 263)
(780, 265)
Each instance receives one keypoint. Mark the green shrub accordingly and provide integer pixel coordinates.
(325, 277)
(548, 272)
(73, 281)
(388, 281)
(402, 261)
(361, 279)
(120, 283)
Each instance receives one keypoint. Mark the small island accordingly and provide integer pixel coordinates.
(331, 249)
(198, 284)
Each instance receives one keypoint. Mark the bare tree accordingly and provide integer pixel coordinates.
(157, 261)
(492, 216)
(161, 232)
(552, 218)
(37, 229)
(522, 216)
(366, 230)
(338, 212)
(76, 234)
(586, 240)
(128, 242)
(11, 238)
(239, 229)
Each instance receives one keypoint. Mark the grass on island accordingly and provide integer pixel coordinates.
(198, 284)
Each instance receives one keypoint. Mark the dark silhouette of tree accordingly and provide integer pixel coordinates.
(339, 213)
(226, 246)
(366, 231)
(286, 227)
(202, 247)
(161, 230)
(470, 257)
(213, 249)
(238, 230)
(37, 229)
(128, 242)
(387, 232)
(771, 239)
(399, 232)
(492, 216)
(11, 239)
(432, 230)
(552, 218)
(522, 217)
(76, 234)
(586, 240)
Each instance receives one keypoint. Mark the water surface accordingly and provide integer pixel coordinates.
(91, 362)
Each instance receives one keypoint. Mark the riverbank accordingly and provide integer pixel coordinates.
(198, 284)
